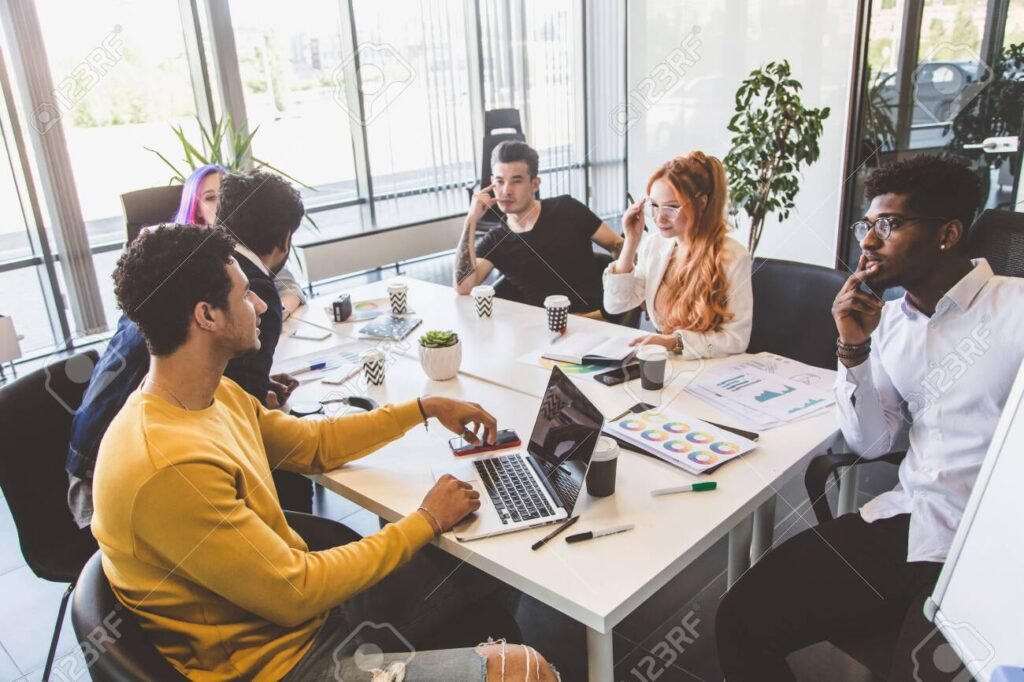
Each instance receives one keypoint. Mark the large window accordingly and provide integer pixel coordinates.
(376, 107)
(289, 59)
(532, 52)
(414, 67)
(123, 78)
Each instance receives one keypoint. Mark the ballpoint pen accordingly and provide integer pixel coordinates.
(562, 526)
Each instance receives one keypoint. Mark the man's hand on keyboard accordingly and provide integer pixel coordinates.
(468, 420)
(450, 501)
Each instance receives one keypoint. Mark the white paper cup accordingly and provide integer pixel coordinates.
(373, 367)
(483, 296)
(398, 295)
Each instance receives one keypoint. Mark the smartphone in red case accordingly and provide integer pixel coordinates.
(507, 438)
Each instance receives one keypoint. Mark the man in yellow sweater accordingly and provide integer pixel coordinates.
(193, 537)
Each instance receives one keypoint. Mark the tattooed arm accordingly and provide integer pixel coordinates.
(470, 270)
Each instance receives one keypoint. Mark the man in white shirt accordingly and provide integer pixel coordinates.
(932, 368)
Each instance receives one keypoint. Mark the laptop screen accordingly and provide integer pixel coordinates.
(564, 436)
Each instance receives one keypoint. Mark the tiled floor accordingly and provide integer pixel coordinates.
(28, 605)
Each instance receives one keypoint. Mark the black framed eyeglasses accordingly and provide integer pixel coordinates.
(884, 226)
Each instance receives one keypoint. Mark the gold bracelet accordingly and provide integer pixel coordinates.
(432, 520)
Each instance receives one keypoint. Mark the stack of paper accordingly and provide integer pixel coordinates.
(766, 390)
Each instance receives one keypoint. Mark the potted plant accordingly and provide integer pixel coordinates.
(440, 354)
(775, 135)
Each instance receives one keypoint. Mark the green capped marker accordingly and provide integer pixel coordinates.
(690, 488)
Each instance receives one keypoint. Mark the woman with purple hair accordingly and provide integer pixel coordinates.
(199, 196)
(199, 207)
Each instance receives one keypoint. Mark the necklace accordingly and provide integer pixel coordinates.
(167, 391)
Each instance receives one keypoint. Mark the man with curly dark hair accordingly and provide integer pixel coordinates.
(929, 372)
(262, 210)
(194, 540)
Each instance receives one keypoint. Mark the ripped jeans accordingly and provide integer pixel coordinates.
(370, 636)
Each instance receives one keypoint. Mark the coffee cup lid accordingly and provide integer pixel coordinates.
(605, 450)
(483, 290)
(556, 301)
(371, 355)
(651, 351)
(397, 285)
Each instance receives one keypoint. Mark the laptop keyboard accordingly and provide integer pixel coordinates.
(514, 492)
(564, 484)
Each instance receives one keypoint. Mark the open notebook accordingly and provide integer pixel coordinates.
(589, 349)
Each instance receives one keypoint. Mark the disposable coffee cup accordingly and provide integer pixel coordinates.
(483, 296)
(398, 295)
(558, 312)
(603, 464)
(653, 359)
(373, 367)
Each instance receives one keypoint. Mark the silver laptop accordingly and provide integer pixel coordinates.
(540, 486)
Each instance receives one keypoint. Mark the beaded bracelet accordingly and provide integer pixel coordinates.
(853, 347)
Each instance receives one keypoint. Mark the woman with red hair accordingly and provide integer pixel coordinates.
(693, 279)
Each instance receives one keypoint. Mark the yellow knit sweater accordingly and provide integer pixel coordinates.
(195, 543)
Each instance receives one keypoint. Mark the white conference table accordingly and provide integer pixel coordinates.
(597, 583)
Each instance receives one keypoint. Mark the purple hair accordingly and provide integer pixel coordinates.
(188, 211)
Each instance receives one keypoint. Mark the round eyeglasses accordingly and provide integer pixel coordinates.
(884, 226)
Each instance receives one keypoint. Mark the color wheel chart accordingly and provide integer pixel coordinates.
(690, 444)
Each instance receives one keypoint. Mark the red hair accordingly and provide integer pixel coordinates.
(698, 285)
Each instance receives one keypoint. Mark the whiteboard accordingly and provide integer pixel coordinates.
(978, 602)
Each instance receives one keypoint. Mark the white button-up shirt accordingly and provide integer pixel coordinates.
(942, 382)
(625, 291)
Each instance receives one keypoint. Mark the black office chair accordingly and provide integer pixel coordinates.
(793, 311)
(132, 656)
(997, 236)
(503, 120)
(150, 206)
(35, 418)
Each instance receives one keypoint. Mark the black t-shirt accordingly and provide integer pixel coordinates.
(555, 257)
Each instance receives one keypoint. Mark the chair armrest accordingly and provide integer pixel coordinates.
(320, 533)
(816, 476)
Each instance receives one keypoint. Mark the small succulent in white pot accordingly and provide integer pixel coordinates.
(440, 354)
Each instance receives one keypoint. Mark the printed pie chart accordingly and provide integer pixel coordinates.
(725, 448)
(652, 435)
(699, 437)
(677, 446)
(366, 305)
(703, 458)
(676, 427)
(632, 424)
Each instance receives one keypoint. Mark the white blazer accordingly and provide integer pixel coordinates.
(624, 292)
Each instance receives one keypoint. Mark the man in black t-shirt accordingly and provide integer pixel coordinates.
(543, 247)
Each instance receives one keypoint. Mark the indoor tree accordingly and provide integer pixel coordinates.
(775, 135)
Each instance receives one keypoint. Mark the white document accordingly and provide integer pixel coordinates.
(585, 349)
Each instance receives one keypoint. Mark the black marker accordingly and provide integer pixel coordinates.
(591, 534)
